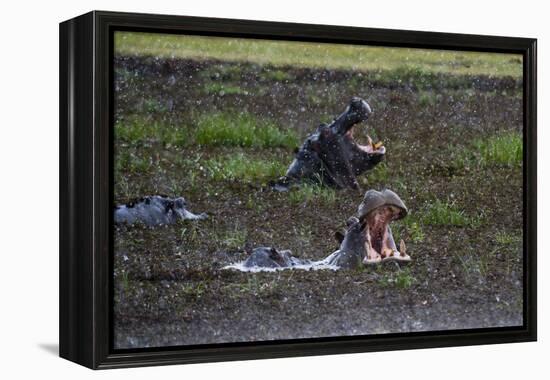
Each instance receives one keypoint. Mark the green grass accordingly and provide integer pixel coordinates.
(318, 55)
(154, 106)
(310, 192)
(242, 167)
(427, 98)
(142, 131)
(402, 279)
(218, 129)
(193, 290)
(234, 239)
(506, 238)
(244, 130)
(129, 162)
(473, 264)
(252, 286)
(378, 175)
(505, 149)
(440, 213)
(276, 75)
(224, 89)
(414, 230)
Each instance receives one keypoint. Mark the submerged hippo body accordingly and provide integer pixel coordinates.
(155, 210)
(331, 156)
(271, 258)
(367, 240)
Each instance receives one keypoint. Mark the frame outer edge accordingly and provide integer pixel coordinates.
(76, 335)
(85, 183)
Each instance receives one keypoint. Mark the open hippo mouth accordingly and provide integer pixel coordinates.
(331, 154)
(367, 240)
(376, 212)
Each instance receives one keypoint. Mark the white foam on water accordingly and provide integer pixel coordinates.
(314, 265)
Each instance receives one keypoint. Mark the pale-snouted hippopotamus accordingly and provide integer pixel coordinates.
(155, 210)
(331, 156)
(368, 240)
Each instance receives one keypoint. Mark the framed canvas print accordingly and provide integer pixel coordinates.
(236, 189)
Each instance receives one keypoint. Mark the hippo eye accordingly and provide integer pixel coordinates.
(180, 203)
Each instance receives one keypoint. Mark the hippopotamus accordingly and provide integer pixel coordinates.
(268, 257)
(368, 240)
(331, 156)
(155, 210)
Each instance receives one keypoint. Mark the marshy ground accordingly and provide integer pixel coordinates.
(217, 130)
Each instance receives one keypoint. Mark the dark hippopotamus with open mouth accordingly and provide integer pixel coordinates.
(155, 210)
(367, 240)
(331, 155)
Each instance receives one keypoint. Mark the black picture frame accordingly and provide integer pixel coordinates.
(86, 184)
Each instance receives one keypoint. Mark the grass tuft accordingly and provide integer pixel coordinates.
(242, 167)
(402, 279)
(506, 238)
(234, 239)
(441, 213)
(505, 149)
(139, 132)
(222, 89)
(243, 130)
(502, 150)
(310, 192)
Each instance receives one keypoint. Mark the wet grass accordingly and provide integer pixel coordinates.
(132, 162)
(507, 238)
(401, 279)
(439, 213)
(224, 89)
(234, 239)
(244, 130)
(379, 175)
(428, 98)
(414, 230)
(142, 131)
(242, 167)
(505, 149)
(312, 192)
(218, 129)
(474, 265)
(277, 75)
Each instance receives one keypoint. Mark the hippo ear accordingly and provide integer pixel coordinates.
(169, 205)
(296, 150)
(351, 221)
(180, 203)
(273, 254)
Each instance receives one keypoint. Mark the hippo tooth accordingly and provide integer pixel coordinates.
(403, 248)
(371, 143)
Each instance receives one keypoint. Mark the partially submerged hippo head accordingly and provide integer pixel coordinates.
(155, 210)
(368, 239)
(331, 155)
(270, 258)
(378, 210)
